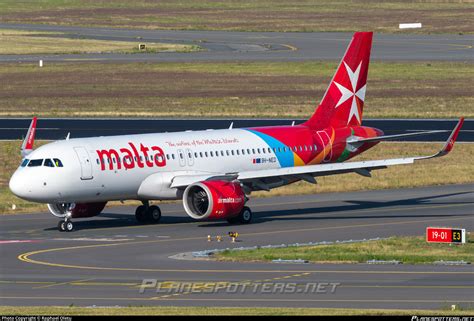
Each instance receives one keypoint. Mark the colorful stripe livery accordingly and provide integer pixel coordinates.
(300, 145)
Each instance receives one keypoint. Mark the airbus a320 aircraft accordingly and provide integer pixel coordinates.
(212, 171)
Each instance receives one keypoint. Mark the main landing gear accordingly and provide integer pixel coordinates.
(244, 217)
(148, 214)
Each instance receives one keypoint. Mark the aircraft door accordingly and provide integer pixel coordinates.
(86, 164)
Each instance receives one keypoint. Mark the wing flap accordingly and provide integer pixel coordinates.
(325, 169)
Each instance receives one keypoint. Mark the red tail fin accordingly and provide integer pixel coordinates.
(343, 102)
(27, 145)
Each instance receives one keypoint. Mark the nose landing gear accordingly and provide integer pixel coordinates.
(148, 214)
(65, 226)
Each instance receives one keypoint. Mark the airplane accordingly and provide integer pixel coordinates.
(213, 171)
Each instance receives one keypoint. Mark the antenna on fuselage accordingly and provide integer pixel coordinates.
(231, 125)
(68, 135)
(293, 123)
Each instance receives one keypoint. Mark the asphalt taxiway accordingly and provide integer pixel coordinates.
(104, 261)
(254, 46)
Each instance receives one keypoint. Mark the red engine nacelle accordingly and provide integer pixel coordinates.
(72, 210)
(213, 200)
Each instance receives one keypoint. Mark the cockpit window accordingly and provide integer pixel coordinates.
(58, 162)
(48, 163)
(35, 163)
(25, 162)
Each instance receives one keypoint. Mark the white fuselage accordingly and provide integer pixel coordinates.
(85, 177)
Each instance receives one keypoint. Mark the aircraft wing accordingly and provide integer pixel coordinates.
(356, 140)
(363, 168)
(260, 179)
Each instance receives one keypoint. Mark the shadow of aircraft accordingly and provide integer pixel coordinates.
(114, 220)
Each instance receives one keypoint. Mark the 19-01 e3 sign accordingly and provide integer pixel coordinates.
(445, 235)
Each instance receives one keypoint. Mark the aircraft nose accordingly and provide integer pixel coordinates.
(17, 185)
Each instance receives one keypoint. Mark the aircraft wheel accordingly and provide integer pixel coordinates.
(62, 226)
(68, 226)
(245, 216)
(153, 214)
(140, 214)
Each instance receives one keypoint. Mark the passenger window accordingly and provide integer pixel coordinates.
(205, 153)
(200, 154)
(243, 151)
(195, 155)
(269, 150)
(172, 156)
(232, 152)
(227, 152)
(212, 154)
(222, 153)
(48, 163)
(263, 150)
(35, 163)
(258, 150)
(237, 151)
(25, 162)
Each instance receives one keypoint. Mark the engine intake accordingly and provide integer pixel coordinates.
(213, 200)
